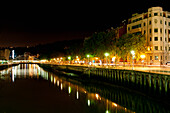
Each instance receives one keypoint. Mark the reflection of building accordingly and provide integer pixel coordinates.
(155, 25)
(4, 54)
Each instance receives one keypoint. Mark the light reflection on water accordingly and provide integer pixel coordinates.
(91, 99)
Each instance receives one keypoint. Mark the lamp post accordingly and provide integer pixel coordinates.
(69, 58)
(142, 56)
(106, 54)
(88, 58)
(133, 55)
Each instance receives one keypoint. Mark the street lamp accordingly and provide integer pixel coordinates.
(88, 58)
(69, 58)
(142, 56)
(106, 54)
(133, 56)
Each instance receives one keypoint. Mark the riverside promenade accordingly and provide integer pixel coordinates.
(163, 69)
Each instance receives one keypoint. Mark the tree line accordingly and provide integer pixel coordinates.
(95, 45)
(120, 47)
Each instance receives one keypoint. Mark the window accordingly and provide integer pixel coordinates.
(150, 31)
(165, 48)
(169, 48)
(156, 47)
(161, 57)
(136, 26)
(160, 30)
(165, 22)
(144, 31)
(165, 39)
(169, 23)
(149, 15)
(165, 31)
(155, 38)
(155, 14)
(156, 30)
(150, 22)
(156, 57)
(160, 38)
(164, 14)
(150, 38)
(150, 57)
(161, 47)
(160, 21)
(169, 39)
(128, 28)
(160, 14)
(144, 24)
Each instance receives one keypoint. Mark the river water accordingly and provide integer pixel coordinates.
(27, 88)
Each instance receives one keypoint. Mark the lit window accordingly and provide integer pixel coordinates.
(156, 57)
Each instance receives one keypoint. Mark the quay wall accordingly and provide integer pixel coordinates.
(154, 84)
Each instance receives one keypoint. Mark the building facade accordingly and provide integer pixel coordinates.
(4, 54)
(155, 26)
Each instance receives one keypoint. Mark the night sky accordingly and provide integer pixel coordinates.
(29, 24)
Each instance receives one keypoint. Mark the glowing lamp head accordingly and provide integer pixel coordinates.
(88, 56)
(106, 54)
(142, 56)
(69, 57)
(133, 52)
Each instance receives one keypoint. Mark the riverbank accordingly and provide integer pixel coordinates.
(141, 89)
(5, 66)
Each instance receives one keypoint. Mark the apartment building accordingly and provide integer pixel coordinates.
(155, 26)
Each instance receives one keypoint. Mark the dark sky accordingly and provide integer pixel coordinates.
(28, 24)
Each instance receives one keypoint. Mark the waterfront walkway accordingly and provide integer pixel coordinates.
(164, 69)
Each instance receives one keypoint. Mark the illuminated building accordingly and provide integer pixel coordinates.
(155, 26)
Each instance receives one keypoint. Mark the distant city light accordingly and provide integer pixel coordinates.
(13, 54)
(88, 102)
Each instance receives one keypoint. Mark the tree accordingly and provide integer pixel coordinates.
(99, 43)
(130, 42)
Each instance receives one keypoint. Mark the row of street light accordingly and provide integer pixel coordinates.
(106, 55)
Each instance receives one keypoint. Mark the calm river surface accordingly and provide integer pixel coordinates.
(27, 88)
